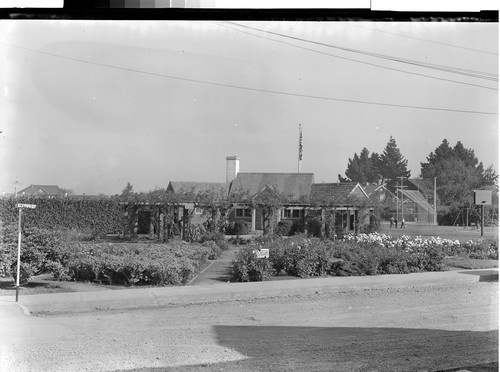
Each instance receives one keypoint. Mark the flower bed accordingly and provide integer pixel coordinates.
(119, 263)
(364, 254)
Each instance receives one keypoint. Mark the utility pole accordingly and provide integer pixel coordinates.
(435, 203)
(400, 192)
(15, 183)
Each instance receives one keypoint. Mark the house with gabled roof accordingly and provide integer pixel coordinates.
(381, 194)
(342, 199)
(297, 199)
(41, 190)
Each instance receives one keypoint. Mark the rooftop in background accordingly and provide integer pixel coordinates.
(180, 186)
(41, 190)
(339, 192)
(294, 185)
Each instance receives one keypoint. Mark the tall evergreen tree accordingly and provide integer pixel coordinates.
(393, 165)
(362, 168)
(458, 172)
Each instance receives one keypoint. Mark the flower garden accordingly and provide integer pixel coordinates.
(363, 254)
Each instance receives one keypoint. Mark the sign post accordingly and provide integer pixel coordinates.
(20, 206)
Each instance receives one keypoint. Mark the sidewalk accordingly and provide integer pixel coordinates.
(166, 296)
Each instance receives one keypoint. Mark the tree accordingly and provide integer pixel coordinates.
(362, 168)
(392, 165)
(458, 173)
(127, 192)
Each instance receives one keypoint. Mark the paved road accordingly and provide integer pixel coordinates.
(433, 321)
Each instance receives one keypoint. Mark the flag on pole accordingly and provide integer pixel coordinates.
(300, 142)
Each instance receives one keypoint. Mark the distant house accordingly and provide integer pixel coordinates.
(41, 190)
(381, 194)
(343, 198)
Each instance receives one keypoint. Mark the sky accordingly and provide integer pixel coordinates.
(92, 105)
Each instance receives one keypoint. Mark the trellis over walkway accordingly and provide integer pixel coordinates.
(165, 219)
(416, 208)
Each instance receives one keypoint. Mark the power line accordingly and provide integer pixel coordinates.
(450, 69)
(358, 61)
(213, 83)
(425, 40)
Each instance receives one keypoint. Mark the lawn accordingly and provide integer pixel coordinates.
(459, 233)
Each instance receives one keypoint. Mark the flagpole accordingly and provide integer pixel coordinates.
(300, 149)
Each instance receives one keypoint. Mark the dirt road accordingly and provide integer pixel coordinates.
(406, 329)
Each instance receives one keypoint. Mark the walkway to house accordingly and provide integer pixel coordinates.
(218, 271)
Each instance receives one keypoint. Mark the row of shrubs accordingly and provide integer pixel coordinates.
(304, 257)
(100, 216)
(114, 263)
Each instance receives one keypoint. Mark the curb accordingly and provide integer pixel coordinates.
(139, 298)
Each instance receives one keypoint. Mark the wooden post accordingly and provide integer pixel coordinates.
(19, 254)
(126, 223)
(152, 215)
(482, 219)
(135, 221)
(323, 233)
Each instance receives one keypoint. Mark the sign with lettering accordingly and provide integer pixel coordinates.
(30, 206)
(261, 253)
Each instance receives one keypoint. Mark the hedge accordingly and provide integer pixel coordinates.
(99, 216)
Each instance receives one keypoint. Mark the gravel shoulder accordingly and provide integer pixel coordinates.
(419, 328)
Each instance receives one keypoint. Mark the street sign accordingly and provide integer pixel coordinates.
(30, 206)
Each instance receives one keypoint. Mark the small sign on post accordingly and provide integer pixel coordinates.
(21, 207)
(29, 206)
(261, 253)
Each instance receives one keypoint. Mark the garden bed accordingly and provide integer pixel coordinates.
(364, 254)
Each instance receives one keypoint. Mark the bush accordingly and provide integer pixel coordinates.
(38, 247)
(372, 254)
(128, 264)
(239, 227)
(248, 268)
(314, 228)
(284, 228)
(26, 272)
(215, 249)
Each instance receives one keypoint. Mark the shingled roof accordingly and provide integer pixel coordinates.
(182, 186)
(48, 190)
(295, 186)
(339, 192)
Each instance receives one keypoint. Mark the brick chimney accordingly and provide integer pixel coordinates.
(232, 167)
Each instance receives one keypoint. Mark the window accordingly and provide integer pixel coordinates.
(291, 213)
(243, 212)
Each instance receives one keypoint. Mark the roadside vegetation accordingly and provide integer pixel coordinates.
(73, 256)
(364, 254)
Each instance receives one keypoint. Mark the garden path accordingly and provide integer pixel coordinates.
(217, 271)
